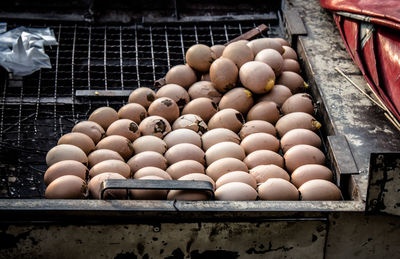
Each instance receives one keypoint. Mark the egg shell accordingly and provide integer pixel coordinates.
(225, 165)
(199, 57)
(319, 190)
(300, 155)
(218, 50)
(66, 187)
(132, 111)
(205, 89)
(191, 122)
(222, 150)
(143, 194)
(180, 136)
(278, 94)
(289, 53)
(264, 172)
(204, 77)
(263, 157)
(291, 65)
(227, 118)
(91, 129)
(296, 120)
(147, 158)
(143, 96)
(203, 107)
(237, 176)
(272, 58)
(185, 167)
(104, 116)
(299, 103)
(65, 152)
(155, 125)
(182, 75)
(78, 139)
(218, 135)
(306, 173)
(224, 74)
(277, 189)
(299, 136)
(265, 43)
(119, 144)
(239, 53)
(265, 111)
(149, 143)
(187, 195)
(260, 141)
(293, 81)
(164, 107)
(111, 166)
(124, 127)
(151, 170)
(257, 76)
(238, 98)
(175, 92)
(282, 41)
(236, 191)
(257, 126)
(95, 184)
(66, 167)
(100, 155)
(197, 177)
(184, 151)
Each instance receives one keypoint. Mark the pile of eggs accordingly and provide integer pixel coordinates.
(247, 127)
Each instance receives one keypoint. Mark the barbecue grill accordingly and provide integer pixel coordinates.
(104, 53)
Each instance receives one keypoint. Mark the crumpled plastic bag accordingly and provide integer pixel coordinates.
(22, 49)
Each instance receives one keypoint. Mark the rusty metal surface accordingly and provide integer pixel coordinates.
(342, 156)
(384, 184)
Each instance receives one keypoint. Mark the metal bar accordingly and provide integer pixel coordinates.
(98, 93)
(211, 35)
(240, 29)
(19, 115)
(152, 54)
(121, 65)
(72, 75)
(37, 101)
(167, 48)
(341, 155)
(195, 34)
(137, 57)
(56, 80)
(3, 102)
(105, 62)
(182, 45)
(250, 34)
(226, 33)
(89, 54)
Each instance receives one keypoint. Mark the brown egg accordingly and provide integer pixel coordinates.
(227, 118)
(239, 53)
(265, 43)
(306, 173)
(238, 98)
(111, 166)
(65, 152)
(91, 129)
(104, 116)
(293, 81)
(299, 136)
(95, 185)
(237, 176)
(224, 74)
(257, 76)
(155, 125)
(203, 107)
(205, 77)
(296, 120)
(78, 139)
(184, 151)
(66, 167)
(191, 122)
(320, 190)
(197, 177)
(149, 143)
(180, 136)
(66, 187)
(185, 167)
(265, 111)
(283, 42)
(236, 191)
(191, 195)
(260, 141)
(204, 89)
(175, 92)
(132, 111)
(151, 171)
(256, 126)
(263, 157)
(264, 172)
(278, 95)
(182, 75)
(272, 58)
(124, 127)
(300, 155)
(199, 57)
(147, 158)
(218, 50)
(223, 166)
(119, 144)
(289, 53)
(218, 135)
(277, 189)
(164, 107)
(100, 155)
(143, 96)
(143, 194)
(291, 65)
(299, 103)
(222, 150)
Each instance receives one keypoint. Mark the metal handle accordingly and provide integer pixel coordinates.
(127, 184)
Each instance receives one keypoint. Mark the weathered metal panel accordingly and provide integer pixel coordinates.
(272, 239)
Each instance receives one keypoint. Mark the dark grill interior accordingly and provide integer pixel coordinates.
(37, 109)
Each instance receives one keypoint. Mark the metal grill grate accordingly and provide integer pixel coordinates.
(37, 109)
